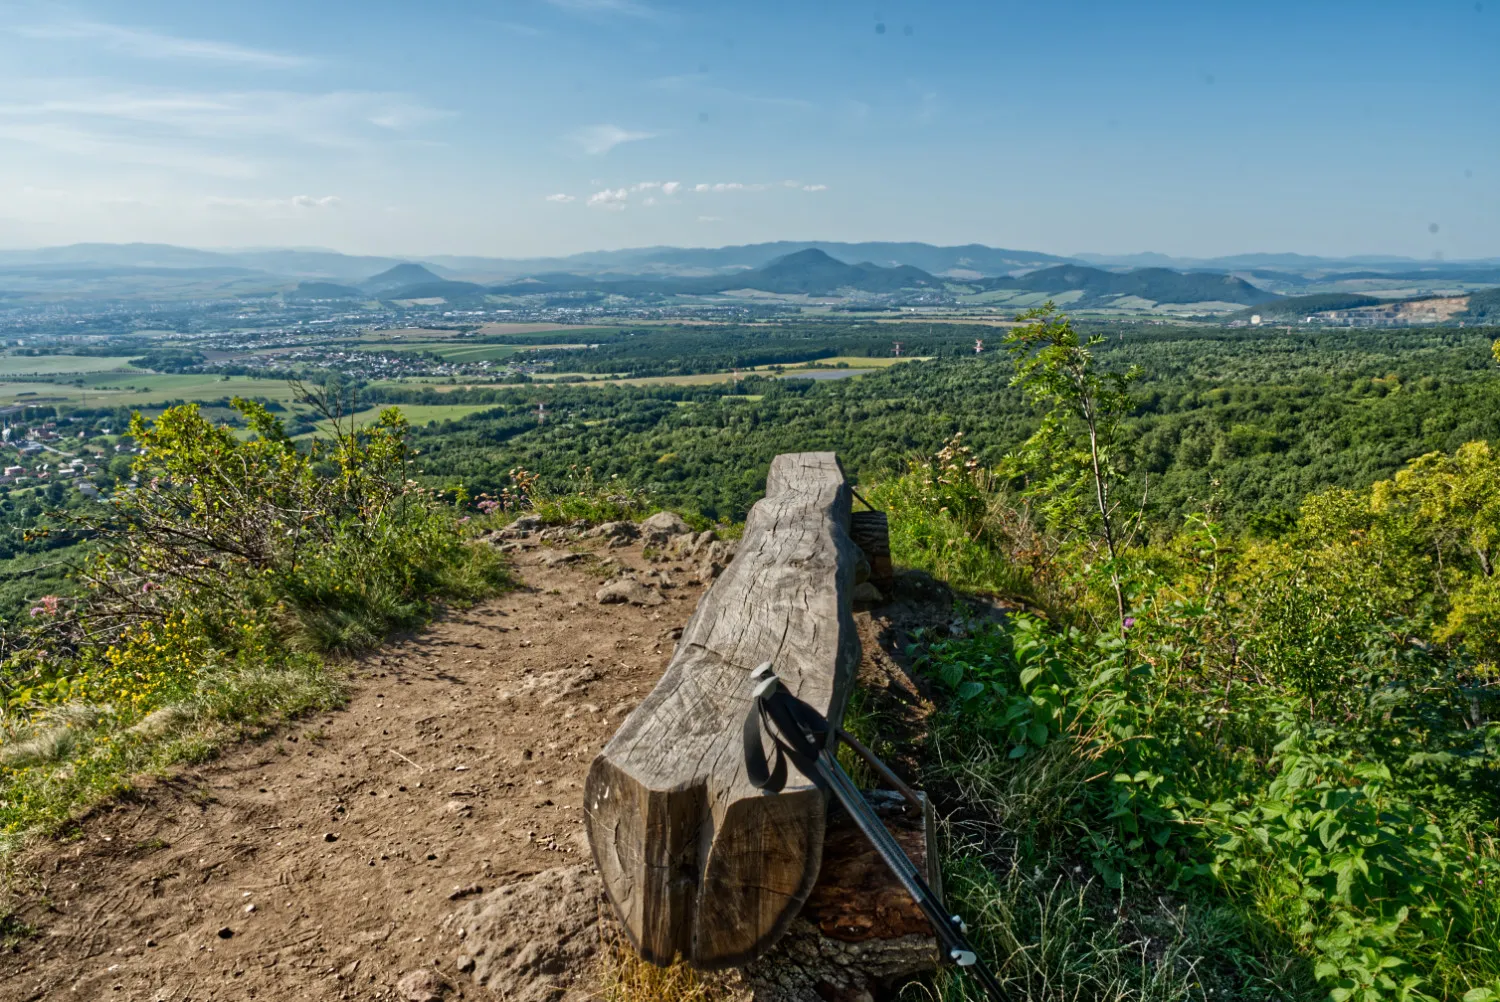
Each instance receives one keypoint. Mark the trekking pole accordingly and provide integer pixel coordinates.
(799, 733)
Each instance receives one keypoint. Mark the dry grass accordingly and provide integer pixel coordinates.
(625, 977)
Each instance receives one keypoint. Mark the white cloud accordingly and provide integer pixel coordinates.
(561, 198)
(791, 184)
(154, 45)
(722, 186)
(645, 186)
(610, 198)
(311, 202)
(671, 187)
(597, 139)
(710, 219)
(815, 187)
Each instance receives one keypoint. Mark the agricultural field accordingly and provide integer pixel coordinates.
(418, 414)
(61, 365)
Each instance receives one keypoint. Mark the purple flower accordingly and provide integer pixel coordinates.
(1129, 622)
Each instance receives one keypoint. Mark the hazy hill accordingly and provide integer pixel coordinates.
(399, 277)
(816, 273)
(440, 289)
(1484, 306)
(809, 272)
(689, 261)
(1159, 285)
(324, 290)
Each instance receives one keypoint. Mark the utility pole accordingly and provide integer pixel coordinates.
(541, 413)
(898, 348)
(978, 345)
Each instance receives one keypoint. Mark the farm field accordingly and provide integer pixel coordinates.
(141, 390)
(418, 414)
(62, 365)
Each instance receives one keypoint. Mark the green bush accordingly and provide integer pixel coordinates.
(211, 596)
(1290, 731)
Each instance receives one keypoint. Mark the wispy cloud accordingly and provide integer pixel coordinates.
(147, 44)
(561, 198)
(815, 187)
(625, 8)
(597, 139)
(273, 206)
(218, 133)
(106, 149)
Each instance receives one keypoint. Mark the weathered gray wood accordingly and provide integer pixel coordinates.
(696, 861)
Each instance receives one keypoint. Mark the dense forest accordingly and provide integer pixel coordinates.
(1256, 419)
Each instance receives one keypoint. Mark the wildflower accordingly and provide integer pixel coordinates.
(1129, 622)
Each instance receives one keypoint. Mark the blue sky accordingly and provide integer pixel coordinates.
(526, 127)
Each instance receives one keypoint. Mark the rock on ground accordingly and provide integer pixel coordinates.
(628, 589)
(530, 941)
(421, 985)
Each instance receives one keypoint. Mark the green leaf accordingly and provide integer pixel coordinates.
(969, 690)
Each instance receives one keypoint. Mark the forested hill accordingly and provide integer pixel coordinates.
(1159, 285)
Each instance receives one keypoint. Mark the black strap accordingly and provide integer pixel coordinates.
(798, 732)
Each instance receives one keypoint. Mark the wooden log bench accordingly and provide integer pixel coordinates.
(697, 862)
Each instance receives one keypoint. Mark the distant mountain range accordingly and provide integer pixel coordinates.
(813, 272)
(965, 261)
(821, 268)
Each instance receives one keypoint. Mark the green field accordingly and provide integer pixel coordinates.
(417, 414)
(62, 365)
(132, 390)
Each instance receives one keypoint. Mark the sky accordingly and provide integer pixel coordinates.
(521, 128)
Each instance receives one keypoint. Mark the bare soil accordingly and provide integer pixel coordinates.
(317, 864)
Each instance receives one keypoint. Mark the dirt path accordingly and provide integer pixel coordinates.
(317, 864)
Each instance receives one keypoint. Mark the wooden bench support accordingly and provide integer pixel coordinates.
(695, 860)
